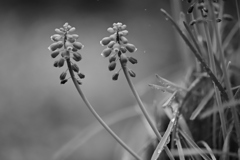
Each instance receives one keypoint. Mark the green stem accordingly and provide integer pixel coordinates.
(143, 109)
(217, 94)
(84, 98)
(226, 76)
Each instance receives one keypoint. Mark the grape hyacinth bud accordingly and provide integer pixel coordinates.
(112, 66)
(117, 47)
(63, 76)
(65, 43)
(115, 76)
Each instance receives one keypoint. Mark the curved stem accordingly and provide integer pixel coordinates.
(143, 109)
(84, 98)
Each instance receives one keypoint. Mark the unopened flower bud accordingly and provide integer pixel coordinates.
(75, 36)
(132, 60)
(113, 37)
(78, 45)
(75, 68)
(218, 20)
(111, 44)
(105, 41)
(55, 54)
(65, 25)
(227, 17)
(115, 76)
(77, 56)
(123, 33)
(116, 50)
(59, 31)
(70, 38)
(106, 52)
(124, 39)
(65, 53)
(123, 27)
(112, 58)
(116, 47)
(112, 66)
(72, 29)
(130, 47)
(63, 76)
(61, 62)
(55, 64)
(123, 49)
(81, 75)
(110, 30)
(131, 73)
(55, 46)
(190, 9)
(119, 24)
(192, 22)
(79, 82)
(74, 49)
(123, 58)
(56, 37)
(64, 81)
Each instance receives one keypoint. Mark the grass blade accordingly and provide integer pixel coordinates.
(215, 109)
(208, 149)
(202, 104)
(164, 141)
(197, 55)
(194, 145)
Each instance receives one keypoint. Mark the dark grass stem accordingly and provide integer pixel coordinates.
(143, 109)
(226, 76)
(218, 97)
(197, 54)
(84, 98)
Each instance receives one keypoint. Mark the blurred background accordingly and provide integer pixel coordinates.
(38, 116)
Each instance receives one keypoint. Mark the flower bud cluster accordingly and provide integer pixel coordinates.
(117, 45)
(203, 8)
(66, 45)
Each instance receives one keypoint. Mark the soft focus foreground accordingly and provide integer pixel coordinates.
(38, 115)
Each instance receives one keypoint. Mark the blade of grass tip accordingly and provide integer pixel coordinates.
(92, 130)
(226, 144)
(226, 105)
(168, 83)
(179, 147)
(163, 89)
(195, 52)
(194, 145)
(202, 104)
(92, 110)
(164, 141)
(226, 76)
(210, 152)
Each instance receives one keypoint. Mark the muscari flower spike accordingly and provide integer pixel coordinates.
(117, 45)
(65, 44)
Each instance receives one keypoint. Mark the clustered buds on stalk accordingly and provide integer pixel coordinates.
(117, 45)
(203, 8)
(65, 44)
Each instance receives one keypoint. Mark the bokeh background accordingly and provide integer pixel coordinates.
(38, 116)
